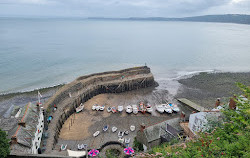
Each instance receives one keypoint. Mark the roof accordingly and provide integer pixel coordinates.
(155, 132)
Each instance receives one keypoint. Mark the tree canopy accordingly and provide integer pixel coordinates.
(4, 144)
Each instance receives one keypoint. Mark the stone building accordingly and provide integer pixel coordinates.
(154, 135)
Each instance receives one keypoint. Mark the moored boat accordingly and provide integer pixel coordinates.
(114, 129)
(120, 108)
(149, 108)
(142, 108)
(63, 147)
(129, 109)
(94, 107)
(127, 140)
(120, 134)
(109, 109)
(132, 128)
(174, 107)
(79, 108)
(160, 108)
(135, 109)
(167, 108)
(105, 128)
(114, 109)
(97, 108)
(102, 107)
(96, 133)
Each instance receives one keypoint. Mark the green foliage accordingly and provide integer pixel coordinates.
(112, 153)
(4, 144)
(137, 146)
(229, 139)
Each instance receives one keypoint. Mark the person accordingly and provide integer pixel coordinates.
(217, 103)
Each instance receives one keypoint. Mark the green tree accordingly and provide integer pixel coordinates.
(4, 144)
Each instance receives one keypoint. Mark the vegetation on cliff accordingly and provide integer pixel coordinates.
(229, 140)
(4, 144)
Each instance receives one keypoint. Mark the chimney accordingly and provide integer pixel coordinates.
(232, 103)
(14, 139)
(22, 124)
(142, 127)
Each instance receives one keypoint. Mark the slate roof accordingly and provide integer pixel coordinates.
(155, 132)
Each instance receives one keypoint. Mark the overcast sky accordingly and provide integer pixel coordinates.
(122, 8)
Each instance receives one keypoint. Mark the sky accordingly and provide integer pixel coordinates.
(121, 8)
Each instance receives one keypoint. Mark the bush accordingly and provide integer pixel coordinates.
(137, 146)
(4, 144)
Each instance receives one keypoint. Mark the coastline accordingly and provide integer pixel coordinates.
(205, 88)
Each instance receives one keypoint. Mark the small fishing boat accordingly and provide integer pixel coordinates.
(105, 128)
(121, 140)
(114, 109)
(79, 146)
(135, 109)
(127, 140)
(94, 107)
(79, 108)
(141, 108)
(132, 128)
(129, 109)
(160, 108)
(120, 108)
(96, 133)
(63, 147)
(174, 107)
(120, 134)
(102, 107)
(126, 132)
(97, 108)
(84, 146)
(167, 108)
(114, 129)
(149, 108)
(109, 109)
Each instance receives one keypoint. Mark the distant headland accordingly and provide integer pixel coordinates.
(225, 18)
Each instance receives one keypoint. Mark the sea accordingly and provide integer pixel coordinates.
(43, 52)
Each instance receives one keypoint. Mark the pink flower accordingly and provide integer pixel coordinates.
(218, 138)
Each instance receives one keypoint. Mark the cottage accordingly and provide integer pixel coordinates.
(154, 135)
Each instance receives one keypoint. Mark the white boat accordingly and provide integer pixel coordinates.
(121, 140)
(160, 108)
(129, 109)
(102, 107)
(105, 128)
(120, 108)
(93, 107)
(132, 128)
(63, 147)
(79, 108)
(120, 134)
(174, 107)
(114, 129)
(109, 109)
(167, 108)
(127, 140)
(97, 108)
(135, 109)
(96, 133)
(149, 108)
(80, 146)
(126, 132)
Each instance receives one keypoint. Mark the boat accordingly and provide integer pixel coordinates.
(105, 128)
(121, 140)
(129, 109)
(126, 132)
(174, 107)
(141, 108)
(97, 107)
(84, 146)
(114, 129)
(109, 109)
(120, 108)
(120, 134)
(160, 108)
(63, 147)
(127, 140)
(135, 109)
(132, 128)
(167, 108)
(96, 133)
(149, 108)
(79, 146)
(102, 107)
(94, 107)
(79, 108)
(114, 110)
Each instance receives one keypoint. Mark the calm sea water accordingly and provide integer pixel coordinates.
(38, 53)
